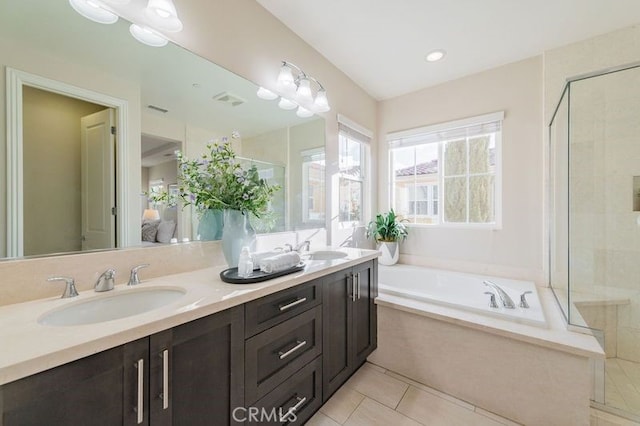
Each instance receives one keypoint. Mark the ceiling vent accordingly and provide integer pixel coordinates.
(229, 99)
(157, 108)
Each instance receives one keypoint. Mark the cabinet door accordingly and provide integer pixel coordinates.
(364, 311)
(197, 375)
(337, 304)
(90, 391)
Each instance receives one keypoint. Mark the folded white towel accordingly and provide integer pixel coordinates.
(279, 262)
(257, 257)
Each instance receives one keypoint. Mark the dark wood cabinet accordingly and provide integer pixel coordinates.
(350, 323)
(187, 375)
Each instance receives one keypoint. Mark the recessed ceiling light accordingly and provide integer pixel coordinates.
(435, 55)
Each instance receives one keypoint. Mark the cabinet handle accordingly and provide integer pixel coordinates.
(165, 379)
(292, 304)
(295, 408)
(353, 287)
(358, 285)
(140, 403)
(298, 345)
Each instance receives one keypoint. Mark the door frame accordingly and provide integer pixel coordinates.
(15, 80)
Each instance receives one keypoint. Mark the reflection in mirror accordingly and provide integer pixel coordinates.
(161, 99)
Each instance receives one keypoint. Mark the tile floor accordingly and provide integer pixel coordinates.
(622, 385)
(375, 396)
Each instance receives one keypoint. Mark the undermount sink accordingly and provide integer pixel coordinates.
(111, 307)
(327, 255)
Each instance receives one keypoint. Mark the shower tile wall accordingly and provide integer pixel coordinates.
(605, 229)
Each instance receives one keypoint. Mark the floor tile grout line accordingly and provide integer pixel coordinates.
(355, 409)
(402, 397)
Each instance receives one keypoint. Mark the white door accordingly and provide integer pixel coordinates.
(98, 181)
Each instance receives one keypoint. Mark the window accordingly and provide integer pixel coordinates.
(448, 173)
(353, 146)
(313, 172)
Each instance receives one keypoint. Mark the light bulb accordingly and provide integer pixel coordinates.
(147, 36)
(94, 10)
(304, 113)
(303, 94)
(287, 104)
(162, 14)
(321, 103)
(266, 94)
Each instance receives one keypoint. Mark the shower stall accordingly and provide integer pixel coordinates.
(594, 223)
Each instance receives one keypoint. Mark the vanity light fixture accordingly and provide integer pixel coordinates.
(94, 10)
(159, 15)
(295, 90)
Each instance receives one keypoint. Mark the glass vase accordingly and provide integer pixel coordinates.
(210, 225)
(237, 232)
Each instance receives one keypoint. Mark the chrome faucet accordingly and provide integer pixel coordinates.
(106, 280)
(70, 288)
(133, 277)
(507, 302)
(303, 246)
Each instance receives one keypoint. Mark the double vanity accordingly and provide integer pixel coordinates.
(205, 352)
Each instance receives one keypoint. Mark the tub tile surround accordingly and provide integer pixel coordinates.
(35, 348)
(489, 359)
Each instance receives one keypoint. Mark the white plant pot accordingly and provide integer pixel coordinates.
(390, 253)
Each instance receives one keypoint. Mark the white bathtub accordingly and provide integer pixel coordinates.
(460, 290)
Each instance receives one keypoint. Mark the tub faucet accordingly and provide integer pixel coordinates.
(507, 302)
(106, 280)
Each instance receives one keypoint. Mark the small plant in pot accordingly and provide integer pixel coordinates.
(388, 231)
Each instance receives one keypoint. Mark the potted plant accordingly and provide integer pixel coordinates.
(387, 230)
(217, 182)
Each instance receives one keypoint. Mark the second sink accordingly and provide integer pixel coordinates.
(106, 308)
(327, 255)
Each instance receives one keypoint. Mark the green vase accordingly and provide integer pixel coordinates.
(236, 233)
(210, 225)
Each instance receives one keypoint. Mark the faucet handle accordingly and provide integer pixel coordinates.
(133, 277)
(70, 288)
(288, 247)
(105, 281)
(523, 300)
(492, 301)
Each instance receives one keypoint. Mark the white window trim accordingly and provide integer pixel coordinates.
(450, 125)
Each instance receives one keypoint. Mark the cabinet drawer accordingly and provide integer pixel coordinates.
(294, 401)
(274, 355)
(268, 311)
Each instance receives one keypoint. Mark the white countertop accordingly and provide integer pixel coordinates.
(29, 347)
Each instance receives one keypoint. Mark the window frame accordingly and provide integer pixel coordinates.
(441, 127)
(351, 132)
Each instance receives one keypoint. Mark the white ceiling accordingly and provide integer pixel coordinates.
(381, 44)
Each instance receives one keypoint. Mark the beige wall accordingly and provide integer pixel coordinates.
(516, 249)
(51, 173)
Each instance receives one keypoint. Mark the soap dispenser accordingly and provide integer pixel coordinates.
(245, 264)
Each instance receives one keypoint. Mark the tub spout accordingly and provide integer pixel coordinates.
(507, 302)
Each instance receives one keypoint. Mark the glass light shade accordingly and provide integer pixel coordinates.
(266, 94)
(321, 103)
(304, 113)
(286, 82)
(147, 36)
(162, 15)
(94, 10)
(287, 104)
(118, 2)
(303, 94)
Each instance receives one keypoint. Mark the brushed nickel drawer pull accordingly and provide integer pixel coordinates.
(292, 304)
(165, 379)
(298, 346)
(358, 285)
(353, 287)
(295, 408)
(140, 402)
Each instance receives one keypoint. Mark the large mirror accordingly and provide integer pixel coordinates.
(94, 119)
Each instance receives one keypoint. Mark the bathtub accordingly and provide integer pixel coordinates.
(460, 290)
